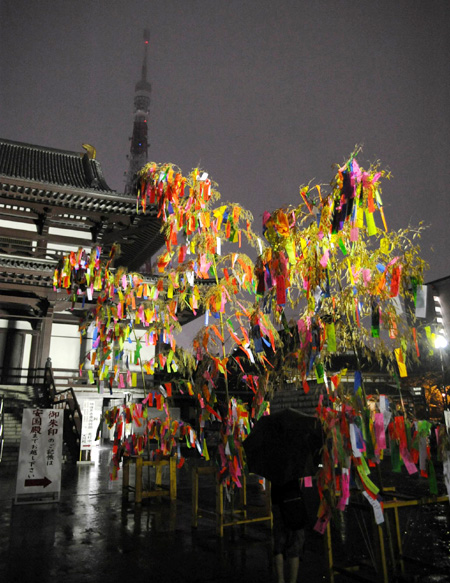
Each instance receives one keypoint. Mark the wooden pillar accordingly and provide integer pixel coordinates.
(194, 517)
(42, 229)
(243, 496)
(399, 539)
(384, 575)
(219, 507)
(126, 478)
(158, 475)
(45, 335)
(138, 490)
(329, 553)
(173, 478)
(34, 349)
(13, 354)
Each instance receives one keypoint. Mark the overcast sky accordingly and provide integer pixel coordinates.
(263, 95)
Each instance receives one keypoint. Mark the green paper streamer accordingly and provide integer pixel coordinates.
(367, 481)
(284, 321)
(414, 289)
(138, 349)
(365, 468)
(395, 457)
(408, 434)
(368, 435)
(331, 337)
(319, 372)
(342, 247)
(423, 428)
(432, 478)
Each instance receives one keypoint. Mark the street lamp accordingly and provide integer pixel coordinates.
(441, 342)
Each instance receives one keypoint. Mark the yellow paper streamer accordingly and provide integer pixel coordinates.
(331, 337)
(371, 227)
(400, 362)
(290, 250)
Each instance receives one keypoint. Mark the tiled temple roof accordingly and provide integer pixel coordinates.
(63, 189)
(55, 188)
(51, 166)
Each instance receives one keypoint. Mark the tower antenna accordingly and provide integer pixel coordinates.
(139, 145)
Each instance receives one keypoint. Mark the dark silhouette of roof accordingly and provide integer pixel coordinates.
(51, 166)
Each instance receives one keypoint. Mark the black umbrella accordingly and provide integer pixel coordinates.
(284, 446)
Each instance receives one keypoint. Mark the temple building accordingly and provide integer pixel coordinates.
(53, 202)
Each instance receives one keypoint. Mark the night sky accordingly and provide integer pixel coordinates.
(263, 95)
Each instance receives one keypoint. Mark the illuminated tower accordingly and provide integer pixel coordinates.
(138, 156)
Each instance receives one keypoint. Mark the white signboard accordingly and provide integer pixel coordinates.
(421, 301)
(447, 420)
(40, 454)
(91, 411)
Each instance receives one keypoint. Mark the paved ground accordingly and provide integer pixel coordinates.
(90, 535)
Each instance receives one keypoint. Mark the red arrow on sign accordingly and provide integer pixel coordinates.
(38, 482)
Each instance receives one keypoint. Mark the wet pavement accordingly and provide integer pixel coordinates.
(92, 535)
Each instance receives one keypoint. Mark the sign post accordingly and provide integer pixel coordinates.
(91, 411)
(40, 455)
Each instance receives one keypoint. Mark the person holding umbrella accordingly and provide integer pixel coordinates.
(289, 520)
(282, 447)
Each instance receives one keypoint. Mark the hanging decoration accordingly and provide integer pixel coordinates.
(330, 261)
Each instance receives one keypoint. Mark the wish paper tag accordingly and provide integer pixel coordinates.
(321, 524)
(371, 227)
(447, 420)
(400, 362)
(385, 246)
(379, 430)
(407, 460)
(377, 510)
(353, 439)
(331, 337)
(446, 465)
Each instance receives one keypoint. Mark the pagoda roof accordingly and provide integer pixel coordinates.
(48, 187)
(51, 166)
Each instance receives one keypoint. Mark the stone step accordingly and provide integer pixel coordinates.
(11, 449)
(10, 454)
(11, 444)
(12, 428)
(12, 422)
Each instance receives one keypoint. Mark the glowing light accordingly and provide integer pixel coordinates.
(440, 341)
